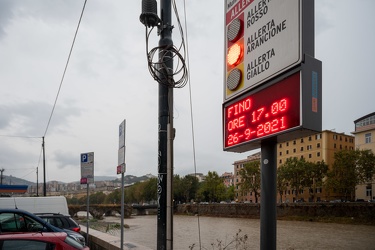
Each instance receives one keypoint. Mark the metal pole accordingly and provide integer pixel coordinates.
(268, 195)
(169, 187)
(87, 214)
(37, 182)
(44, 169)
(1, 178)
(122, 210)
(165, 117)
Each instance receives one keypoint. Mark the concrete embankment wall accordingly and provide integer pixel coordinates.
(361, 212)
(103, 241)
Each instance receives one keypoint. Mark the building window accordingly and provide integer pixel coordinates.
(309, 147)
(301, 140)
(294, 142)
(334, 145)
(280, 145)
(318, 154)
(287, 152)
(309, 138)
(280, 161)
(369, 190)
(335, 137)
(294, 150)
(301, 149)
(318, 145)
(281, 153)
(318, 136)
(310, 156)
(287, 144)
(368, 137)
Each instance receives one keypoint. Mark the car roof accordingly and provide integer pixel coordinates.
(15, 210)
(32, 235)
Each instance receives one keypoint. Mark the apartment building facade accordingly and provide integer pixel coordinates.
(241, 195)
(228, 179)
(364, 139)
(319, 147)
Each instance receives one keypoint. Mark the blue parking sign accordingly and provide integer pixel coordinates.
(84, 157)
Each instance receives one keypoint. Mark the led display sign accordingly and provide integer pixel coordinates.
(270, 111)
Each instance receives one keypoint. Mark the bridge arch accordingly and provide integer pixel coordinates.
(98, 210)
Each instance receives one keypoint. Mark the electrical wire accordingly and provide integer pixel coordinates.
(21, 136)
(59, 89)
(167, 53)
(66, 67)
(192, 119)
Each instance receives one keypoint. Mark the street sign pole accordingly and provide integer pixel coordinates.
(268, 195)
(87, 177)
(121, 169)
(87, 215)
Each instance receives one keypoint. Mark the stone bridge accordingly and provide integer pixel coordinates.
(98, 210)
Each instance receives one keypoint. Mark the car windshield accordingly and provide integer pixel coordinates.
(14, 222)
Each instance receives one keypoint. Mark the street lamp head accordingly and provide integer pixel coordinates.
(149, 16)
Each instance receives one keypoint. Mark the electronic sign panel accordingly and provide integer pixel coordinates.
(268, 112)
(290, 106)
(262, 40)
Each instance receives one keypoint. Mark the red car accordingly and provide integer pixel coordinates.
(39, 240)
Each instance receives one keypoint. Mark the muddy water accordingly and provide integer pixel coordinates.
(291, 235)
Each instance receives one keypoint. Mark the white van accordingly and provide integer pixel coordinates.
(48, 204)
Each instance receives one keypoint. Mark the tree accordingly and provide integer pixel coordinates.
(350, 168)
(294, 173)
(250, 178)
(97, 198)
(114, 197)
(212, 189)
(282, 183)
(150, 190)
(366, 166)
(185, 188)
(314, 174)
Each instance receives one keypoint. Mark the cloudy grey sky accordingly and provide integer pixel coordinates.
(107, 81)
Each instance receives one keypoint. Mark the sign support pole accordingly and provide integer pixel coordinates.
(87, 215)
(122, 210)
(268, 195)
(121, 169)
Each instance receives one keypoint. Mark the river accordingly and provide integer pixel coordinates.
(291, 235)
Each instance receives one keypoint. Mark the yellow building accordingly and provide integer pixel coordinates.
(314, 148)
(319, 147)
(364, 131)
(241, 196)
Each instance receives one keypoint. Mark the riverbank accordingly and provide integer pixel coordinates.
(203, 230)
(343, 213)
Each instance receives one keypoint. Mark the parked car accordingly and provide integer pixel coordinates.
(37, 241)
(17, 220)
(60, 221)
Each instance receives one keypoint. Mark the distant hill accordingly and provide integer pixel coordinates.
(128, 179)
(11, 180)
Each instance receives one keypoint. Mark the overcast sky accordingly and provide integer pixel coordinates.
(107, 81)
